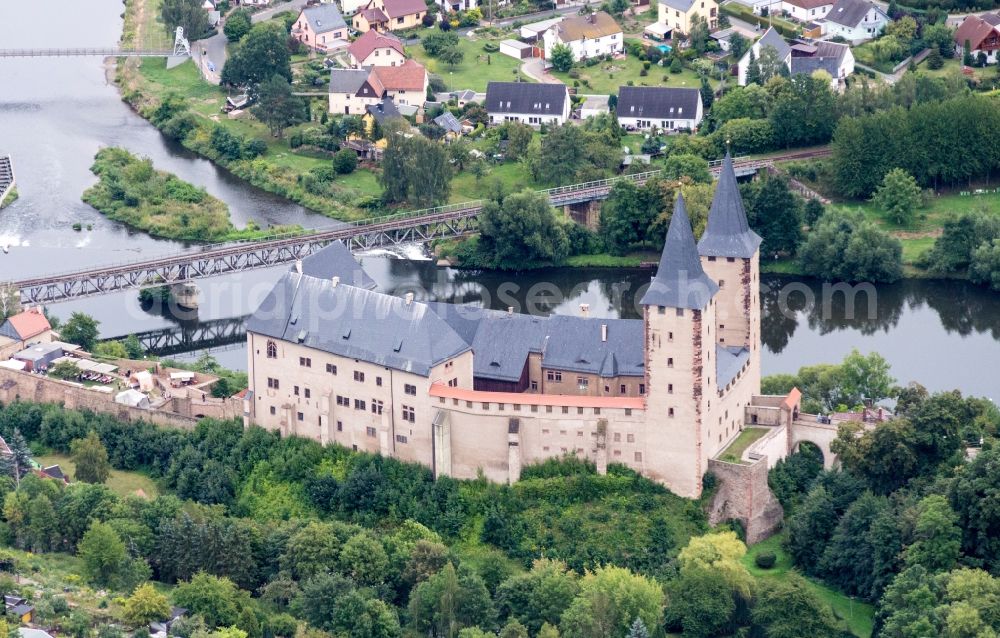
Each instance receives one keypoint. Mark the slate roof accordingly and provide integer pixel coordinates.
(681, 5)
(25, 325)
(336, 260)
(347, 80)
(574, 344)
(729, 360)
(324, 18)
(809, 4)
(448, 122)
(371, 40)
(727, 233)
(827, 56)
(975, 29)
(589, 27)
(680, 281)
(658, 102)
(356, 323)
(373, 15)
(399, 8)
(525, 97)
(772, 38)
(384, 110)
(849, 12)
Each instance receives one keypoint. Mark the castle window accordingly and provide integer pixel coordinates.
(670, 388)
(638, 457)
(272, 350)
(273, 410)
(623, 388)
(295, 390)
(370, 431)
(378, 381)
(670, 362)
(562, 432)
(618, 453)
(344, 401)
(662, 310)
(332, 369)
(618, 437)
(410, 389)
(583, 382)
(680, 312)
(272, 383)
(722, 283)
(579, 410)
(642, 388)
(630, 438)
(500, 406)
(628, 411)
(670, 412)
(340, 426)
(517, 407)
(305, 362)
(548, 409)
(670, 336)
(597, 410)
(300, 416)
(730, 259)
(359, 376)
(377, 406)
(359, 404)
(565, 409)
(554, 375)
(307, 393)
(409, 414)
(722, 326)
(534, 408)
(400, 438)
(534, 385)
(711, 258)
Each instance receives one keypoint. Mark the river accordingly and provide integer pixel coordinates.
(55, 113)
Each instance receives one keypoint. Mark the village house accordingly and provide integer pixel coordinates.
(376, 49)
(679, 15)
(321, 28)
(452, 128)
(470, 391)
(807, 10)
(652, 107)
(801, 57)
(389, 15)
(772, 39)
(528, 103)
(588, 36)
(465, 5)
(981, 34)
(351, 7)
(353, 90)
(22, 330)
(855, 20)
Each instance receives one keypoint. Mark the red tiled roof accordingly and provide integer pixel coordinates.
(526, 398)
(373, 16)
(371, 40)
(793, 399)
(409, 76)
(974, 29)
(399, 8)
(29, 323)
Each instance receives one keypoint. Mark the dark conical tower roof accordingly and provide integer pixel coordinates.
(728, 234)
(680, 281)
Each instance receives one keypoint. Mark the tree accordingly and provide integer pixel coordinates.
(188, 14)
(67, 370)
(237, 25)
(133, 347)
(520, 230)
(43, 524)
(610, 600)
(775, 212)
(985, 264)
(345, 161)
(938, 539)
(934, 60)
(627, 215)
(313, 602)
(844, 246)
(866, 377)
(770, 65)
(681, 165)
(539, 596)
(359, 614)
(788, 608)
(435, 43)
(638, 629)
(452, 56)
(216, 599)
(562, 153)
(91, 459)
(753, 70)
(364, 559)
(10, 302)
(20, 455)
(277, 107)
(899, 196)
(707, 94)
(450, 600)
(81, 330)
(415, 170)
(562, 58)
(738, 45)
(803, 111)
(144, 606)
(103, 553)
(518, 136)
(259, 56)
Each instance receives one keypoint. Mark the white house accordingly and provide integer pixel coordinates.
(855, 20)
(667, 109)
(836, 59)
(982, 32)
(533, 104)
(771, 38)
(588, 36)
(465, 5)
(807, 10)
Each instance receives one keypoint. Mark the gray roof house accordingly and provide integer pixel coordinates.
(449, 123)
(855, 20)
(727, 233)
(336, 260)
(324, 18)
(771, 39)
(662, 107)
(680, 281)
(348, 80)
(530, 103)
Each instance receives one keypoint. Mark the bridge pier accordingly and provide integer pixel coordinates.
(585, 213)
(186, 295)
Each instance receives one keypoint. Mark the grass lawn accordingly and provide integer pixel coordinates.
(858, 616)
(121, 482)
(734, 453)
(478, 68)
(604, 260)
(987, 75)
(606, 78)
(747, 15)
(865, 55)
(513, 175)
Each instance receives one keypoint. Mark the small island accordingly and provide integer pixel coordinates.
(131, 191)
(9, 198)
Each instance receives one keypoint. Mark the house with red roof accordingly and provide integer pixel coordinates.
(22, 330)
(352, 91)
(982, 34)
(376, 49)
(390, 15)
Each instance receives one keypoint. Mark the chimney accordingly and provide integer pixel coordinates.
(336, 281)
(298, 266)
(409, 299)
(604, 332)
(585, 310)
(510, 310)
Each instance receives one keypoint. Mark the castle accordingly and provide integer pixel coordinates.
(465, 390)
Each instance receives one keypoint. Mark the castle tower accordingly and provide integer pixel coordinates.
(730, 254)
(679, 316)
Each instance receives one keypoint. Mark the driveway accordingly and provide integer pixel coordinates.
(534, 68)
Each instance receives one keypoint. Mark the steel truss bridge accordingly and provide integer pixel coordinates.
(182, 48)
(205, 334)
(420, 226)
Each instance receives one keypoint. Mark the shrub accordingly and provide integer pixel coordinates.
(345, 161)
(765, 560)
